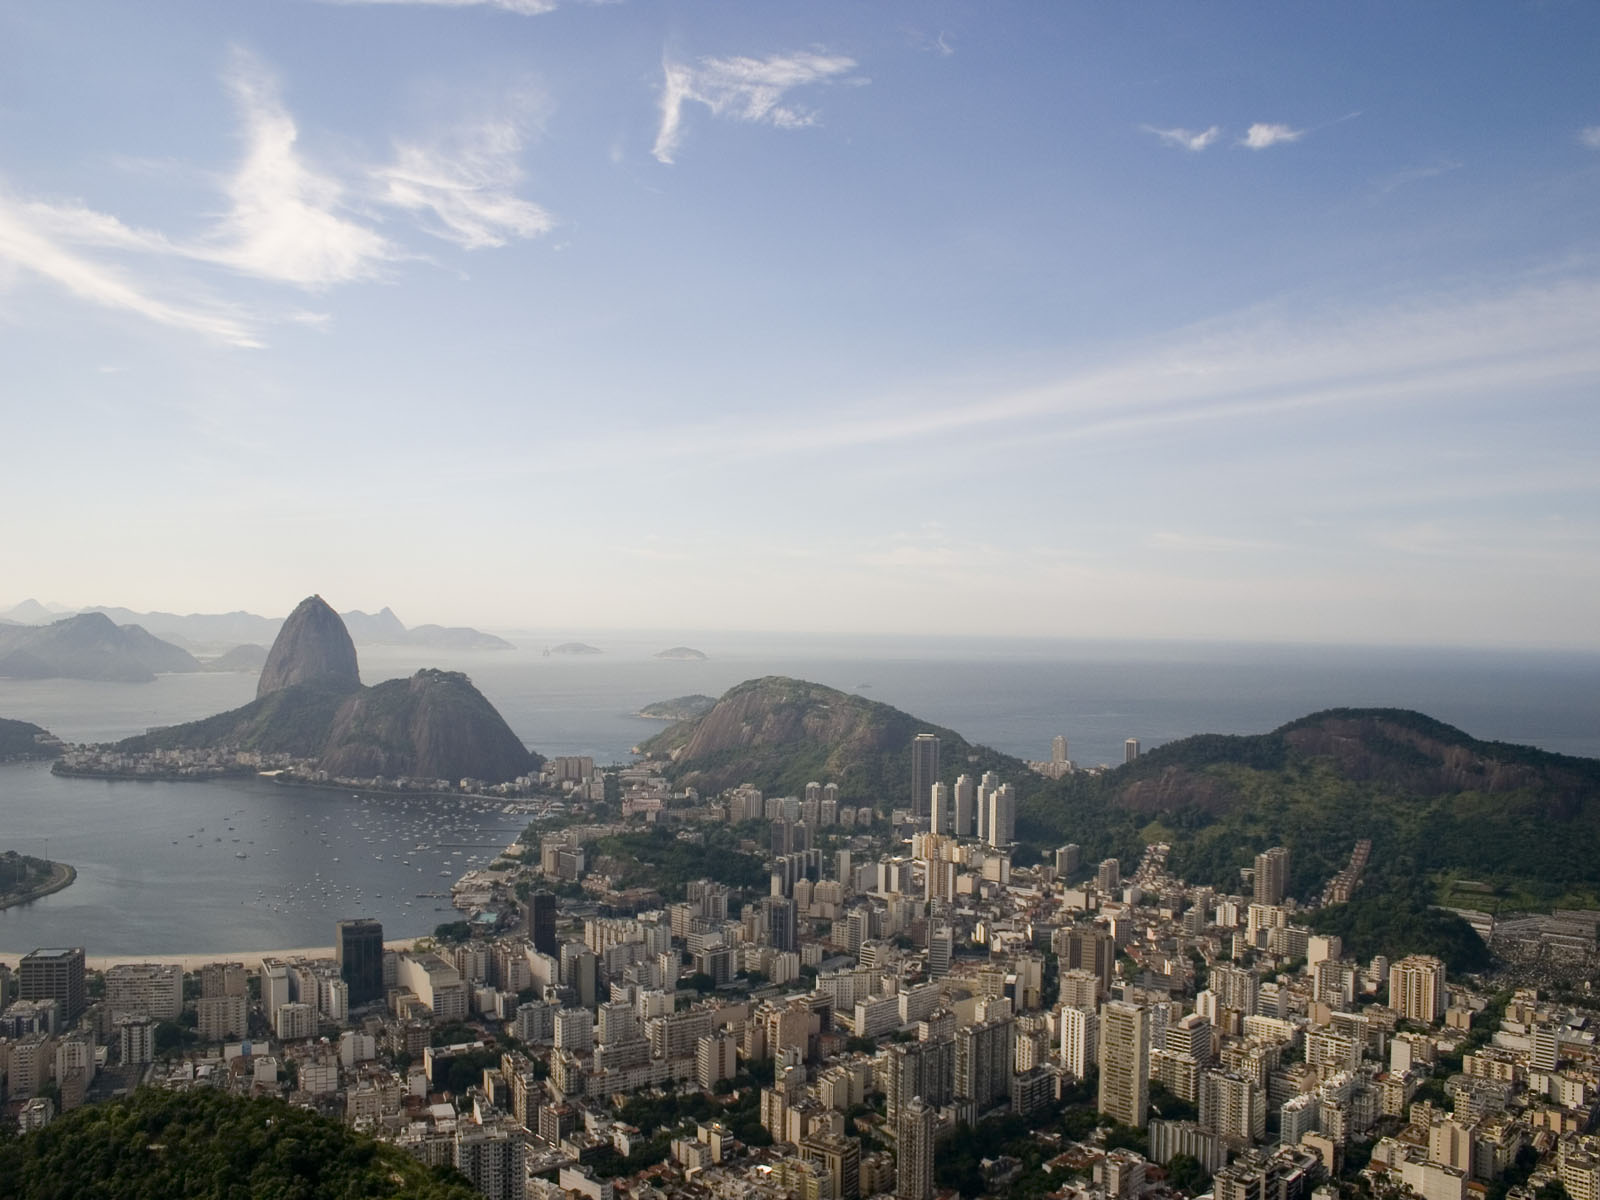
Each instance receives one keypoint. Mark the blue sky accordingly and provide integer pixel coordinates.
(1248, 321)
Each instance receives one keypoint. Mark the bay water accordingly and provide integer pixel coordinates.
(170, 868)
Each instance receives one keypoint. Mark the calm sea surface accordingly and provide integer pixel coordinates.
(151, 880)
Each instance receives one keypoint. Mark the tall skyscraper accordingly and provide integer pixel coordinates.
(924, 772)
(359, 950)
(1416, 988)
(984, 1062)
(1002, 823)
(1130, 750)
(1124, 1063)
(780, 923)
(941, 948)
(542, 922)
(1272, 875)
(54, 974)
(986, 787)
(965, 802)
(1080, 1039)
(1058, 748)
(913, 1156)
(942, 819)
(922, 1069)
(1232, 1106)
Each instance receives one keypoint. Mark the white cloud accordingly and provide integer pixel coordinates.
(31, 236)
(287, 221)
(467, 184)
(1261, 135)
(1186, 139)
(1590, 137)
(745, 89)
(285, 224)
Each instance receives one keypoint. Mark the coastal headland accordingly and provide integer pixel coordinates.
(61, 875)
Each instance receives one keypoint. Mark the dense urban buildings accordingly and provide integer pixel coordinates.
(845, 993)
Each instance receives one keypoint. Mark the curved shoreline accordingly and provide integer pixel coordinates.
(193, 962)
(62, 875)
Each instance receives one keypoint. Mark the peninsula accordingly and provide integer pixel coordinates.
(24, 878)
(313, 721)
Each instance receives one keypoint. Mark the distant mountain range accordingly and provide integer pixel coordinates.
(215, 633)
(89, 646)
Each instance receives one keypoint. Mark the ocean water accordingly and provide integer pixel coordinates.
(147, 886)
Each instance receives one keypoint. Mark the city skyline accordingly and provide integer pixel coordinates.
(942, 320)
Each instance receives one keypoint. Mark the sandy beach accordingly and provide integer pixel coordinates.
(193, 962)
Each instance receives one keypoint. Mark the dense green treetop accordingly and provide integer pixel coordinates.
(205, 1145)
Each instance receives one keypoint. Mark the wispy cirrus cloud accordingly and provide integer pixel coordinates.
(1590, 136)
(1186, 139)
(31, 238)
(1428, 349)
(287, 221)
(743, 89)
(464, 184)
(1262, 135)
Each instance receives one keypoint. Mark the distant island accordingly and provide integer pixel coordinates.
(24, 878)
(574, 648)
(688, 653)
(679, 708)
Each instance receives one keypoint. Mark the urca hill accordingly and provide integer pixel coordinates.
(310, 703)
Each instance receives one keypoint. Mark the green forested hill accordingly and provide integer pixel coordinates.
(202, 1145)
(780, 733)
(1522, 825)
(19, 740)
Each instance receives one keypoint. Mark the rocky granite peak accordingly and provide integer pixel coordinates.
(312, 647)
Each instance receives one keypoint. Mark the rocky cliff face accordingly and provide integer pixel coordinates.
(312, 647)
(435, 725)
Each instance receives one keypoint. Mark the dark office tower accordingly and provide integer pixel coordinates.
(780, 923)
(55, 974)
(359, 947)
(542, 923)
(924, 772)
